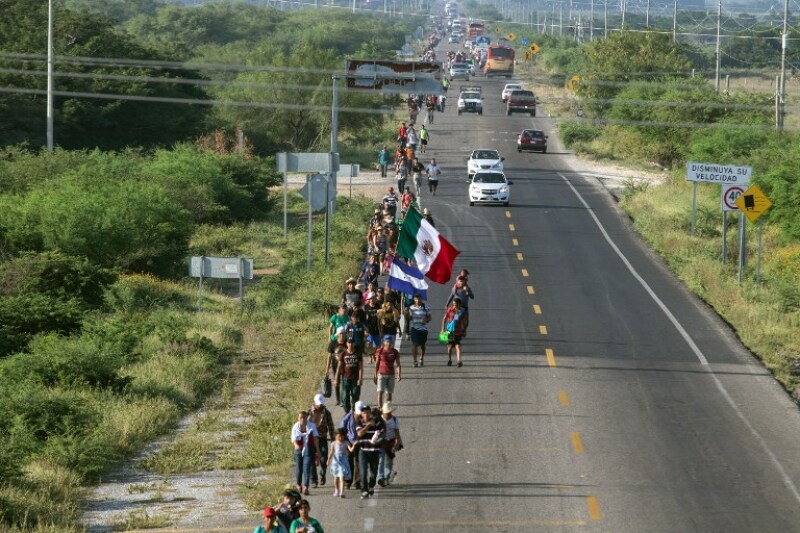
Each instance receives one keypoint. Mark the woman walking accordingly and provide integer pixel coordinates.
(305, 439)
(453, 323)
(305, 524)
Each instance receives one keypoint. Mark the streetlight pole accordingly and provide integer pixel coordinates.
(50, 84)
(782, 85)
(718, 52)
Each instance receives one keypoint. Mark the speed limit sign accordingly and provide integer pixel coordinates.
(729, 195)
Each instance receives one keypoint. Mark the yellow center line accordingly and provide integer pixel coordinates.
(519, 256)
(577, 443)
(551, 359)
(515, 242)
(511, 227)
(594, 508)
(537, 310)
(508, 214)
(530, 289)
(563, 398)
(524, 273)
(543, 330)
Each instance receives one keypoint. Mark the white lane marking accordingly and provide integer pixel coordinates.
(369, 523)
(698, 353)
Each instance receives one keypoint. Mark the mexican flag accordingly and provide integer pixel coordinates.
(421, 242)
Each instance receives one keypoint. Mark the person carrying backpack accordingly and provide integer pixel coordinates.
(453, 323)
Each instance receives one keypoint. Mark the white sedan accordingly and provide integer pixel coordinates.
(489, 186)
(510, 87)
(484, 160)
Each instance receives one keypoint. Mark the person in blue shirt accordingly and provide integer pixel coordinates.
(349, 423)
(384, 158)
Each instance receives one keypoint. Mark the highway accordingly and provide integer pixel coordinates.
(597, 394)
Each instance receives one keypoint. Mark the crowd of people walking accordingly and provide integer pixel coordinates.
(363, 338)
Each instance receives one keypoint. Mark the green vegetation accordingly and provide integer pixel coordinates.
(644, 107)
(101, 346)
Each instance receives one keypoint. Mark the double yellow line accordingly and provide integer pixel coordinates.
(592, 505)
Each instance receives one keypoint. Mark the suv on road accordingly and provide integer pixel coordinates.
(521, 100)
(532, 141)
(459, 71)
(470, 100)
(484, 160)
(489, 186)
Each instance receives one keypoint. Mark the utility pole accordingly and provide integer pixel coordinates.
(623, 6)
(605, 19)
(591, 21)
(50, 83)
(675, 21)
(647, 15)
(717, 51)
(784, 45)
(334, 149)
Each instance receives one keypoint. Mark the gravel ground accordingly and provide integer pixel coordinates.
(212, 498)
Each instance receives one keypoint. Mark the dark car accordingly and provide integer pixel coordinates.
(532, 140)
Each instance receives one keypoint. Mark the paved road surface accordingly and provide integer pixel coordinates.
(585, 402)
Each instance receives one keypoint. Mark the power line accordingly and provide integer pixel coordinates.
(198, 101)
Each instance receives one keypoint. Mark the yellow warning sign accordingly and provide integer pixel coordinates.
(511, 37)
(753, 203)
(534, 48)
(498, 29)
(572, 83)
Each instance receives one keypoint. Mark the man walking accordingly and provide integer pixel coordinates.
(433, 171)
(350, 423)
(453, 323)
(424, 135)
(392, 444)
(350, 375)
(420, 316)
(384, 157)
(370, 431)
(321, 417)
(387, 369)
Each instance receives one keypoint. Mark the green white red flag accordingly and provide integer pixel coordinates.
(421, 242)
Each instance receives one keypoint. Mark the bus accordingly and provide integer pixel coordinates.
(499, 61)
(474, 30)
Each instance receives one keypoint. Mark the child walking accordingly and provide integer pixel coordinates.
(339, 465)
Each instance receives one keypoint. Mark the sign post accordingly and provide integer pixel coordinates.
(238, 268)
(714, 173)
(753, 203)
(729, 195)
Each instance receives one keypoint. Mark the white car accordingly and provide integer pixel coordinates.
(489, 186)
(470, 101)
(484, 160)
(510, 87)
(459, 70)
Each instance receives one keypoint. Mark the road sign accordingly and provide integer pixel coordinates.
(534, 48)
(572, 83)
(524, 41)
(498, 29)
(400, 77)
(314, 191)
(307, 162)
(717, 173)
(511, 37)
(753, 203)
(729, 195)
(221, 267)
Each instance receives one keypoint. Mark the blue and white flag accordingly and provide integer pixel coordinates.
(407, 279)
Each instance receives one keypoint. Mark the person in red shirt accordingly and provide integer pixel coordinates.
(402, 135)
(387, 369)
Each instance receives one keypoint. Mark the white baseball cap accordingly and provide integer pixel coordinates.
(340, 330)
(360, 406)
(319, 399)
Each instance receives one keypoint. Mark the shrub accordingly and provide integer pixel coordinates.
(140, 292)
(129, 226)
(23, 316)
(578, 132)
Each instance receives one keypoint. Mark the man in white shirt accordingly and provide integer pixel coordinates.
(433, 171)
(420, 316)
